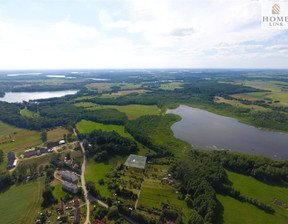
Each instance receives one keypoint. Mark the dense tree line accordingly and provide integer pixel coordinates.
(202, 175)
(103, 145)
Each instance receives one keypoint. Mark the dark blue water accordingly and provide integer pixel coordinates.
(205, 130)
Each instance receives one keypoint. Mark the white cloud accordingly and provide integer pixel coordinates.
(68, 30)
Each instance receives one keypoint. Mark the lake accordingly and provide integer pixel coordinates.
(14, 97)
(205, 130)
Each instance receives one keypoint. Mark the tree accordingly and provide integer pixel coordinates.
(48, 197)
(113, 213)
(1, 156)
(68, 156)
(44, 136)
(195, 218)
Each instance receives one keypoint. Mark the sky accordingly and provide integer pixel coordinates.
(64, 34)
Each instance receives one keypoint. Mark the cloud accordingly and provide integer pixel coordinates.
(182, 32)
(68, 30)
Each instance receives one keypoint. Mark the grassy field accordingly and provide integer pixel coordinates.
(274, 86)
(20, 204)
(239, 212)
(27, 113)
(132, 111)
(58, 192)
(56, 134)
(96, 171)
(171, 86)
(85, 126)
(236, 103)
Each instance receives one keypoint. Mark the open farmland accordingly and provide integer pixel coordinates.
(85, 126)
(25, 199)
(56, 134)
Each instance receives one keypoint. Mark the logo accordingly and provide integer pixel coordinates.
(275, 15)
(275, 9)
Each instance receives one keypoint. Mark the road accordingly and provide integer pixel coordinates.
(83, 181)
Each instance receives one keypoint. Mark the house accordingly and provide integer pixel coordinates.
(68, 176)
(29, 154)
(77, 216)
(73, 188)
(62, 218)
(52, 144)
(15, 163)
(61, 142)
(76, 201)
(11, 156)
(60, 207)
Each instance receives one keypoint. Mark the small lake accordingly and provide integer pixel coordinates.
(15, 97)
(205, 130)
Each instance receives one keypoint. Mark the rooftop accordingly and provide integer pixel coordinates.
(136, 161)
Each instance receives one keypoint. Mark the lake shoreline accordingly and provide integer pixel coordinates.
(203, 129)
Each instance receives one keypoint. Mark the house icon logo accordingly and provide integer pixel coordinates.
(275, 9)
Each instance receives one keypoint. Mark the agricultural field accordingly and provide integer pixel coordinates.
(240, 212)
(171, 86)
(85, 126)
(276, 88)
(126, 92)
(236, 103)
(155, 190)
(133, 111)
(26, 199)
(56, 134)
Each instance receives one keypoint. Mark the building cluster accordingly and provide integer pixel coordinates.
(33, 152)
(77, 213)
(70, 181)
(12, 161)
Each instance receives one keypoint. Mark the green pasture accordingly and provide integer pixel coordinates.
(20, 204)
(96, 171)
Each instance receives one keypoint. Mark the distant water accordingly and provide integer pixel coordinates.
(205, 130)
(16, 97)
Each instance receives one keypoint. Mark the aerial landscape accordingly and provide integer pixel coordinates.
(118, 112)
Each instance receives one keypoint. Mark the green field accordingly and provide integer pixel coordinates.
(171, 86)
(96, 171)
(133, 111)
(56, 134)
(239, 212)
(20, 204)
(58, 192)
(27, 113)
(85, 126)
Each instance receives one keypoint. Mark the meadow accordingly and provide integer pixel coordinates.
(240, 212)
(20, 204)
(133, 111)
(56, 134)
(96, 171)
(85, 127)
(25, 112)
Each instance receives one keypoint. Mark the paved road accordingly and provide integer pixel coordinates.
(83, 181)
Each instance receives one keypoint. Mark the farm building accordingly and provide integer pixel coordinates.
(70, 187)
(11, 161)
(136, 161)
(68, 176)
(61, 142)
(11, 156)
(10, 164)
(29, 154)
